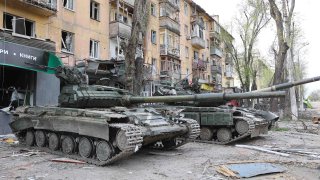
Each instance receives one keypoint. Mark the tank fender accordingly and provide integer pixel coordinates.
(98, 128)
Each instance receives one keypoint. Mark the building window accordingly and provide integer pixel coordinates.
(94, 49)
(208, 43)
(186, 30)
(67, 41)
(68, 4)
(153, 37)
(18, 25)
(154, 66)
(186, 8)
(153, 10)
(187, 52)
(94, 10)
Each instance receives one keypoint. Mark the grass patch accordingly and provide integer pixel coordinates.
(281, 129)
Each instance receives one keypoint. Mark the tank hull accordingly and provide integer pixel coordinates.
(98, 136)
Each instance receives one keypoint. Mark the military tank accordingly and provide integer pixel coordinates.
(221, 124)
(99, 124)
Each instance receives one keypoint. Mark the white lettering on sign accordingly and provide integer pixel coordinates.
(28, 56)
(3, 51)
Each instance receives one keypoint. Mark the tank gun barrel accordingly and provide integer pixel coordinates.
(214, 97)
(288, 84)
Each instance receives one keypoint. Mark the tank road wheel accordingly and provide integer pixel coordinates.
(104, 151)
(121, 140)
(85, 147)
(206, 134)
(30, 139)
(41, 139)
(68, 145)
(224, 134)
(54, 141)
(242, 127)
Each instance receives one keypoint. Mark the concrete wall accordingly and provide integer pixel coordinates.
(47, 89)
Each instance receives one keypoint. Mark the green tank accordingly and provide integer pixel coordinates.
(100, 124)
(221, 124)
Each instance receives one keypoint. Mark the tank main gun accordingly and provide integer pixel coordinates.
(288, 84)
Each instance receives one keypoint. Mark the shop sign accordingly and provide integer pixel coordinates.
(21, 56)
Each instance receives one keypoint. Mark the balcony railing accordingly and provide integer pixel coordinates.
(199, 64)
(119, 29)
(171, 24)
(216, 69)
(198, 42)
(214, 34)
(45, 7)
(215, 51)
(169, 50)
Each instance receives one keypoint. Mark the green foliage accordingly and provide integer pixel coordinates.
(315, 95)
(281, 129)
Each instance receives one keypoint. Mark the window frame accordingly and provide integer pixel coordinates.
(65, 50)
(153, 40)
(68, 4)
(153, 8)
(187, 51)
(91, 51)
(13, 25)
(94, 6)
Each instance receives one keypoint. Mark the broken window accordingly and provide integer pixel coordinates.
(94, 49)
(153, 37)
(67, 41)
(94, 10)
(68, 4)
(18, 25)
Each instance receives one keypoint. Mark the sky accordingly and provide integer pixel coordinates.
(307, 13)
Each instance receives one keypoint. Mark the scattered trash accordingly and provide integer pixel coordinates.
(262, 149)
(302, 152)
(164, 153)
(247, 170)
(316, 120)
(9, 139)
(67, 160)
(25, 153)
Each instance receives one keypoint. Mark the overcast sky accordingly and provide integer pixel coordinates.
(308, 13)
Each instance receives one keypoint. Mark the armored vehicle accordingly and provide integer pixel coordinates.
(99, 125)
(223, 124)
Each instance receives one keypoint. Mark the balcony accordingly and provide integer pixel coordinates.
(43, 7)
(198, 42)
(171, 24)
(214, 34)
(228, 59)
(216, 70)
(127, 2)
(199, 64)
(166, 50)
(215, 51)
(120, 29)
(172, 3)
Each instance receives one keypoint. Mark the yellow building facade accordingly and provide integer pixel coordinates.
(181, 41)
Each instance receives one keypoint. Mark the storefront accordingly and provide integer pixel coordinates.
(27, 67)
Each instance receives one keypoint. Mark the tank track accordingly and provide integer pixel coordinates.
(133, 134)
(194, 132)
(251, 124)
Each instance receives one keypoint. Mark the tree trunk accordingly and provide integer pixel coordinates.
(282, 50)
(138, 31)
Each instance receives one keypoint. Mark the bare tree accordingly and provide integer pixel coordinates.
(140, 22)
(252, 20)
(283, 20)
